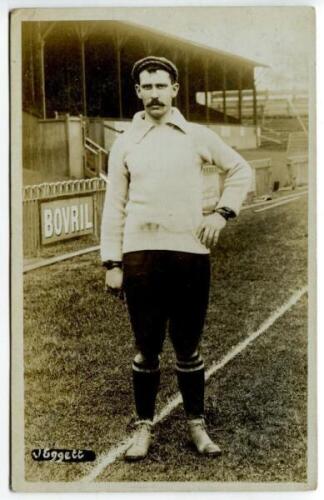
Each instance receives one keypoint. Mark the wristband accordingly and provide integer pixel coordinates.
(225, 212)
(111, 264)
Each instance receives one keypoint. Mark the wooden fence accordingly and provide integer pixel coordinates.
(262, 176)
(297, 158)
(297, 167)
(53, 147)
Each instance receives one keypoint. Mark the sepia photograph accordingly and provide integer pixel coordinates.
(163, 258)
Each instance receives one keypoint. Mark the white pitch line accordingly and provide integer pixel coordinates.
(114, 453)
(59, 258)
(278, 204)
(273, 200)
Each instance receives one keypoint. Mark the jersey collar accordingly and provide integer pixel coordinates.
(141, 126)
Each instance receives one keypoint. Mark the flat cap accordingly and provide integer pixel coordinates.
(159, 62)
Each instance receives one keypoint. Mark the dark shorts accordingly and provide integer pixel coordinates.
(164, 286)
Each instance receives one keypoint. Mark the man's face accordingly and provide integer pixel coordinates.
(156, 91)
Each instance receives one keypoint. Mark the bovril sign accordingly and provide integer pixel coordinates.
(66, 218)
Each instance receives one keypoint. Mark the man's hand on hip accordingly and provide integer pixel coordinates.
(114, 280)
(209, 229)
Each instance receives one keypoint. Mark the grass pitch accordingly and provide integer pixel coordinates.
(78, 351)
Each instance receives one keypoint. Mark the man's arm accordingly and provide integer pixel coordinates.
(238, 172)
(236, 186)
(113, 217)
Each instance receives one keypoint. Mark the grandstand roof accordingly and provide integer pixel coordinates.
(87, 66)
(184, 43)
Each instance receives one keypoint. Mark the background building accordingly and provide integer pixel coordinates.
(84, 68)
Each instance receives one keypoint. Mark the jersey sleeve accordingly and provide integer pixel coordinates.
(238, 172)
(113, 217)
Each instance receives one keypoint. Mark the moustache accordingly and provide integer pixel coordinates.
(155, 102)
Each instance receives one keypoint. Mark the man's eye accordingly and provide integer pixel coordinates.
(161, 86)
(146, 87)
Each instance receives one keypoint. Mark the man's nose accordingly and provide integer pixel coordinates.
(154, 92)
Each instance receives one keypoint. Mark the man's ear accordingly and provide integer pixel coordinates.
(138, 90)
(175, 89)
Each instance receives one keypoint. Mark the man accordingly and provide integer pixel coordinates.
(155, 241)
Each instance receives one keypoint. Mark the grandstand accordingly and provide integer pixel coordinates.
(270, 103)
(278, 112)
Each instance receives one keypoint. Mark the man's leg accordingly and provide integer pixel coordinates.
(143, 283)
(191, 380)
(189, 306)
(146, 379)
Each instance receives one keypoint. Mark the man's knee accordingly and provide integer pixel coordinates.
(189, 362)
(144, 363)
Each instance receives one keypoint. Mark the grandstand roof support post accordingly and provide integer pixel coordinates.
(255, 114)
(240, 95)
(32, 70)
(42, 74)
(41, 40)
(186, 77)
(147, 46)
(119, 78)
(83, 34)
(175, 55)
(120, 99)
(206, 81)
(224, 88)
(84, 87)
(119, 40)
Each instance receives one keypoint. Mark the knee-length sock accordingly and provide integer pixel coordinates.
(146, 384)
(191, 382)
